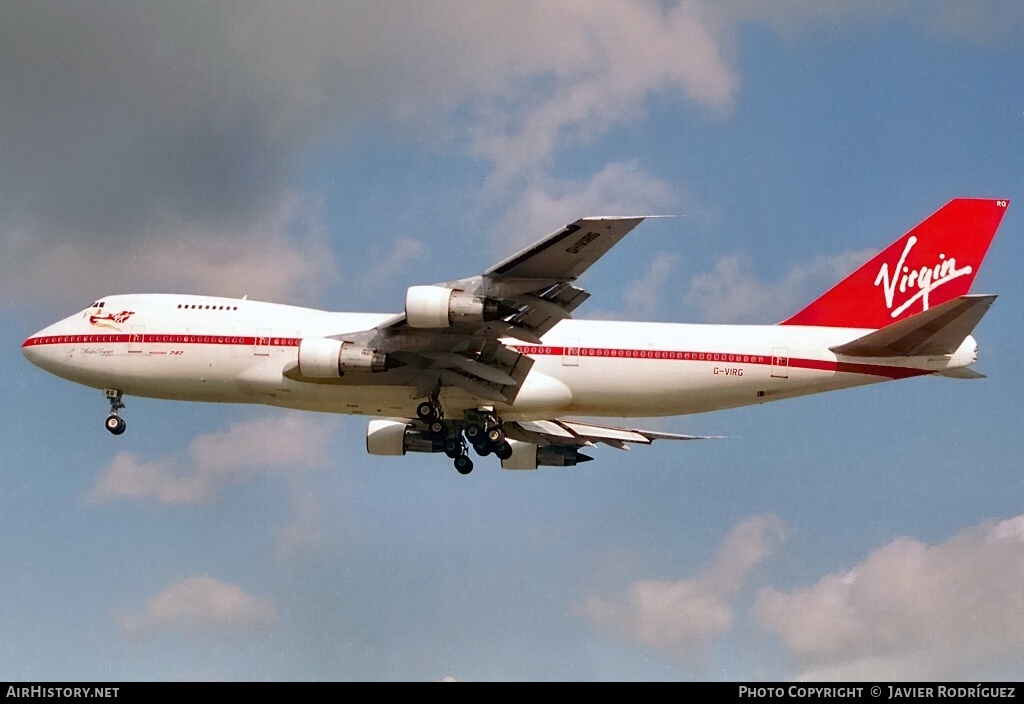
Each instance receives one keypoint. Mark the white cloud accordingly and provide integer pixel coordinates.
(909, 610)
(547, 204)
(158, 146)
(200, 605)
(732, 292)
(215, 461)
(682, 618)
(395, 259)
(157, 149)
(643, 295)
(599, 61)
(284, 256)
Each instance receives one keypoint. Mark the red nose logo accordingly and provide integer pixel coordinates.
(113, 318)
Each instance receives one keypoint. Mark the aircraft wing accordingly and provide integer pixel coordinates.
(557, 442)
(450, 333)
(565, 254)
(577, 433)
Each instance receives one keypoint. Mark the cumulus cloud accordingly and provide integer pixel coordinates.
(200, 605)
(682, 618)
(145, 144)
(732, 293)
(643, 295)
(547, 204)
(395, 259)
(158, 138)
(599, 61)
(909, 610)
(215, 461)
(283, 256)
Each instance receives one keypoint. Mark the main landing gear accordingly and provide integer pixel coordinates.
(483, 431)
(115, 423)
(430, 413)
(454, 446)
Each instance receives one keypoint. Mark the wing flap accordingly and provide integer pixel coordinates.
(549, 428)
(573, 432)
(478, 369)
(605, 433)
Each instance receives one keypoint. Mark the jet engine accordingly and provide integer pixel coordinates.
(440, 307)
(326, 358)
(388, 436)
(526, 455)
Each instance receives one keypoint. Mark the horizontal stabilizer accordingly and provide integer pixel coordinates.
(937, 331)
(962, 373)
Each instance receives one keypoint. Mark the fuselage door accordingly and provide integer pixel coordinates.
(780, 362)
(261, 348)
(136, 337)
(571, 352)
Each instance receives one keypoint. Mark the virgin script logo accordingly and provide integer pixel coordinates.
(925, 279)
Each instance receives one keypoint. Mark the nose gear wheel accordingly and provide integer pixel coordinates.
(115, 423)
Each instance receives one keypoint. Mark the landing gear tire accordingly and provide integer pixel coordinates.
(463, 465)
(426, 412)
(452, 447)
(495, 436)
(116, 425)
(503, 451)
(438, 429)
(482, 448)
(474, 432)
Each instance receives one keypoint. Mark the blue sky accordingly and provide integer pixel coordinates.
(332, 154)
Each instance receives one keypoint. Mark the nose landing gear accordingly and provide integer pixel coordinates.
(115, 423)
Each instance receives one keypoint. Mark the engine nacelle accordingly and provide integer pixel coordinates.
(440, 307)
(326, 358)
(387, 436)
(526, 455)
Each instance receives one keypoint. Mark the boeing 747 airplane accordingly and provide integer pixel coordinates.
(496, 362)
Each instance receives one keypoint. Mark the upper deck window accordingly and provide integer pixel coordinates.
(193, 306)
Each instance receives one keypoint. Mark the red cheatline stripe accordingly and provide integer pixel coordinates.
(857, 368)
(729, 358)
(536, 350)
(152, 338)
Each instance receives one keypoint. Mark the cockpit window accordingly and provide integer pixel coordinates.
(97, 304)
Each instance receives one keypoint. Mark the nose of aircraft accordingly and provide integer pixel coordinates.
(30, 347)
(40, 347)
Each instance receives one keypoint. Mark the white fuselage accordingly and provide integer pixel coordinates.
(199, 348)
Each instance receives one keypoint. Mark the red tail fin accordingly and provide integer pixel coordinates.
(933, 263)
